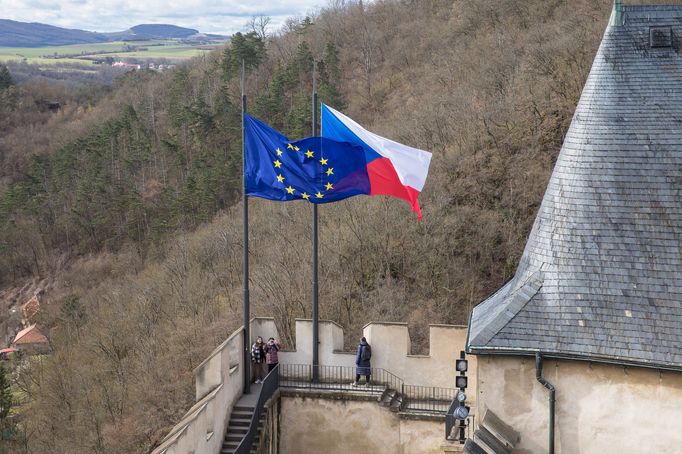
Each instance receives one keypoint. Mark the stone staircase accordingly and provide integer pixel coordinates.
(493, 436)
(240, 419)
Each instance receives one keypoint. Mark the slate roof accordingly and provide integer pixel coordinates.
(601, 276)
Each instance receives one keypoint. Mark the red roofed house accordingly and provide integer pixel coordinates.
(31, 341)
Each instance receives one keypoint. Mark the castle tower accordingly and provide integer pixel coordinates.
(601, 275)
(597, 295)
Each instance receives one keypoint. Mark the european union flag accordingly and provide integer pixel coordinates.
(315, 169)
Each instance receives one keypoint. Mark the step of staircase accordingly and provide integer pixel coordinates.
(493, 436)
(471, 447)
(240, 420)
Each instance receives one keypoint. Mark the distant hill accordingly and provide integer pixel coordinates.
(24, 34)
(163, 31)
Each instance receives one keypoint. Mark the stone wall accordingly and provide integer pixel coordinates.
(390, 350)
(342, 426)
(600, 408)
(219, 385)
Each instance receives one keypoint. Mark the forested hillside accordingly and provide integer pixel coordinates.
(126, 204)
(24, 34)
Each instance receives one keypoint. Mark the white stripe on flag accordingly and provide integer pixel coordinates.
(411, 164)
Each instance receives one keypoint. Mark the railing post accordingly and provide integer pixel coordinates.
(433, 397)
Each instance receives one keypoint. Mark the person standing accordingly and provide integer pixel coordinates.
(258, 359)
(271, 349)
(362, 362)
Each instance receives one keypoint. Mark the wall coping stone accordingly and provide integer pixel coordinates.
(219, 348)
(430, 325)
(189, 416)
(359, 397)
(385, 324)
(310, 320)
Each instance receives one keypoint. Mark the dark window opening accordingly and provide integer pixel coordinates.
(660, 37)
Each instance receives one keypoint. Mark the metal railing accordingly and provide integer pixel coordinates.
(270, 385)
(337, 378)
(341, 378)
(428, 398)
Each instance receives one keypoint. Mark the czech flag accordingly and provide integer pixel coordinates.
(393, 169)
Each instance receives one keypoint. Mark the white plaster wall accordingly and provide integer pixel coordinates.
(600, 409)
(330, 349)
(390, 350)
(315, 425)
(264, 327)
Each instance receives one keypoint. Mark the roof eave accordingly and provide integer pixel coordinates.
(512, 351)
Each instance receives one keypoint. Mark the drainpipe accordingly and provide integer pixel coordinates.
(552, 400)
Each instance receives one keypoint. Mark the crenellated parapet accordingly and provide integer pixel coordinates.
(219, 384)
(391, 345)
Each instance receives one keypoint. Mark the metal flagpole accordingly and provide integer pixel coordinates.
(247, 309)
(315, 314)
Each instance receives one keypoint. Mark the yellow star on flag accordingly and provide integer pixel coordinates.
(309, 154)
(330, 171)
(277, 163)
(319, 195)
(305, 196)
(290, 190)
(329, 186)
(296, 148)
(323, 161)
(279, 152)
(280, 178)
(290, 147)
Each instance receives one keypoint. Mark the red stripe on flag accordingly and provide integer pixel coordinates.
(384, 180)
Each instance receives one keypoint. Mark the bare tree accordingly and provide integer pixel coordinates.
(259, 25)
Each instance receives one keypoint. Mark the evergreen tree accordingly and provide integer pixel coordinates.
(5, 399)
(330, 77)
(5, 78)
(248, 47)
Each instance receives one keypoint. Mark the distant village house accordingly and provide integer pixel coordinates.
(31, 341)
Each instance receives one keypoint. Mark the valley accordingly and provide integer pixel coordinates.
(93, 54)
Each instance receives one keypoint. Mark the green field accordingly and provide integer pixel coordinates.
(86, 53)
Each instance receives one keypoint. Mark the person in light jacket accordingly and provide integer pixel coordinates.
(362, 362)
(258, 359)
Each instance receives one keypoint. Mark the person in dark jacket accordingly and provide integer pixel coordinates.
(271, 349)
(362, 362)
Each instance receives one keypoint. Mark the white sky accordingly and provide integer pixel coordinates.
(208, 16)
